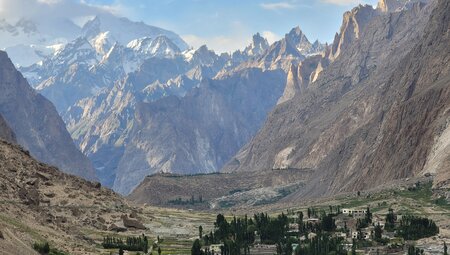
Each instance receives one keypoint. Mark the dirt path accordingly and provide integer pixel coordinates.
(20, 246)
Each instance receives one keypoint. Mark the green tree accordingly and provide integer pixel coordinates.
(145, 244)
(368, 217)
(200, 232)
(42, 248)
(378, 232)
(120, 251)
(196, 248)
(445, 249)
(390, 220)
(327, 222)
(353, 247)
(413, 227)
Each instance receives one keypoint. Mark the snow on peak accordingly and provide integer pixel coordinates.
(102, 43)
(298, 38)
(161, 46)
(125, 30)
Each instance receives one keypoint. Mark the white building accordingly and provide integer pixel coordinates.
(215, 248)
(354, 212)
(366, 234)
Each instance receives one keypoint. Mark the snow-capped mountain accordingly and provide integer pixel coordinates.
(160, 46)
(28, 41)
(107, 49)
(31, 40)
(98, 80)
(102, 43)
(100, 123)
(124, 30)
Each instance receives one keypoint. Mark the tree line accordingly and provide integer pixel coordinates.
(130, 244)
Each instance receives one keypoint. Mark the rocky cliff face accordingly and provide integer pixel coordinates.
(378, 112)
(37, 125)
(199, 132)
(5, 131)
(300, 76)
(354, 23)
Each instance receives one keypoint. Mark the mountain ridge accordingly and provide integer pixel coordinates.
(36, 124)
(340, 125)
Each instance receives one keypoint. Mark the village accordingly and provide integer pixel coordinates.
(337, 231)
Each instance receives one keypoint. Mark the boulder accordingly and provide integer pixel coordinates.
(117, 228)
(49, 194)
(132, 223)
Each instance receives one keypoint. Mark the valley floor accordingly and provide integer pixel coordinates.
(176, 229)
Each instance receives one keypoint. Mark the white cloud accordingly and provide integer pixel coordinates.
(238, 37)
(229, 43)
(278, 6)
(53, 9)
(49, 1)
(270, 36)
(219, 44)
(343, 2)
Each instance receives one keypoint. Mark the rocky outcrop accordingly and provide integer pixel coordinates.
(353, 25)
(36, 124)
(374, 114)
(132, 223)
(301, 42)
(258, 46)
(5, 131)
(300, 76)
(396, 5)
(293, 86)
(389, 5)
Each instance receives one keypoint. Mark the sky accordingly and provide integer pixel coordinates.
(223, 25)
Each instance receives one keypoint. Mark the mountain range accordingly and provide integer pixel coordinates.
(143, 102)
(288, 126)
(103, 82)
(378, 112)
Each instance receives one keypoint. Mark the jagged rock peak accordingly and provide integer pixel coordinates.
(258, 46)
(78, 44)
(353, 24)
(299, 39)
(297, 34)
(203, 56)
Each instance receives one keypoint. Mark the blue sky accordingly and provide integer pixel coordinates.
(224, 25)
